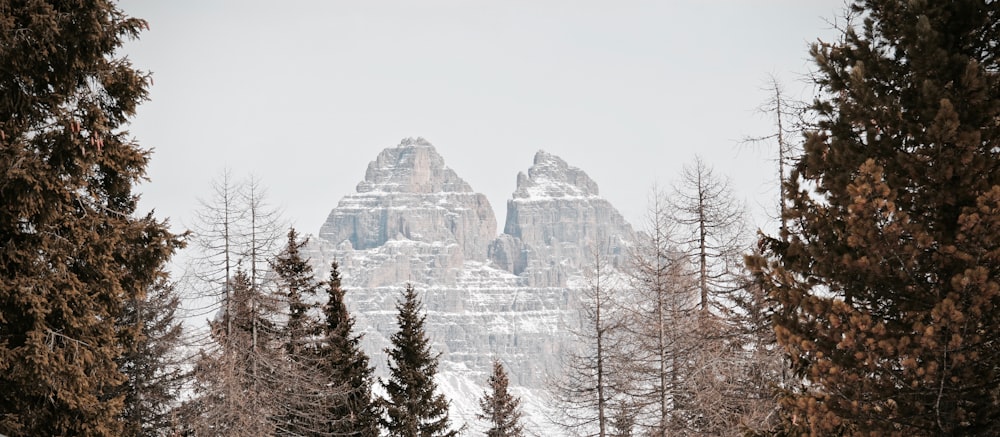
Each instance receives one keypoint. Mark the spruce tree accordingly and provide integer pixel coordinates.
(887, 280)
(499, 408)
(74, 252)
(352, 411)
(301, 385)
(413, 408)
(298, 287)
(151, 364)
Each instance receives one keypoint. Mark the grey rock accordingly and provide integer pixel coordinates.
(512, 297)
(409, 194)
(557, 225)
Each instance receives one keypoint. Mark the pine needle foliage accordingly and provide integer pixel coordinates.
(302, 388)
(413, 407)
(887, 282)
(73, 252)
(500, 409)
(297, 285)
(351, 412)
(152, 365)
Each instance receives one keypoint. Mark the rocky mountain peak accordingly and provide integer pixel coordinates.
(409, 195)
(508, 297)
(413, 166)
(551, 177)
(556, 222)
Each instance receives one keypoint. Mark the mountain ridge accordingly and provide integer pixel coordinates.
(512, 296)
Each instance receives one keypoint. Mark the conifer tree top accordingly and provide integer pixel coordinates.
(413, 406)
(887, 283)
(500, 409)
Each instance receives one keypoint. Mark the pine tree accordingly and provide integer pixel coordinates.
(298, 287)
(887, 281)
(302, 388)
(499, 408)
(352, 412)
(74, 252)
(413, 408)
(151, 364)
(758, 364)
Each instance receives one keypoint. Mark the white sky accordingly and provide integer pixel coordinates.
(304, 94)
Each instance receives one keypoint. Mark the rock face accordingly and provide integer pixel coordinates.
(511, 297)
(557, 225)
(409, 195)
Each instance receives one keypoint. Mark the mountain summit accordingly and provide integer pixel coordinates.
(550, 176)
(557, 225)
(512, 297)
(414, 166)
(408, 194)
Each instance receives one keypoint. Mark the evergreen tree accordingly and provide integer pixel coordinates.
(151, 365)
(413, 408)
(887, 281)
(74, 253)
(302, 387)
(758, 369)
(298, 286)
(501, 409)
(353, 411)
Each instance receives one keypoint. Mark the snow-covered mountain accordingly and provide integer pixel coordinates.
(512, 297)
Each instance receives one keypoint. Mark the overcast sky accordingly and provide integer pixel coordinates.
(304, 94)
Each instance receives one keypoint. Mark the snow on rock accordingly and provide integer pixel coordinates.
(512, 297)
(409, 194)
(550, 177)
(557, 225)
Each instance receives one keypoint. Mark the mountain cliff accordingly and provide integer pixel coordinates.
(409, 194)
(511, 296)
(557, 224)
